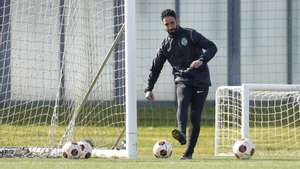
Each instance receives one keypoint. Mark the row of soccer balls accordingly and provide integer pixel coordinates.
(242, 149)
(76, 150)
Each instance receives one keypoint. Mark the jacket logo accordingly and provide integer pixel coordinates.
(184, 41)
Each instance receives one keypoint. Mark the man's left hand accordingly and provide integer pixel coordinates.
(196, 64)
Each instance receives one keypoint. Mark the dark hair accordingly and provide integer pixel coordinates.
(168, 12)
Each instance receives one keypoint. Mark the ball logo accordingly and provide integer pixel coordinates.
(184, 41)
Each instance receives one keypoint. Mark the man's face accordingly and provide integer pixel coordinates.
(170, 24)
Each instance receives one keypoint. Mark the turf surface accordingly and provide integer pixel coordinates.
(203, 157)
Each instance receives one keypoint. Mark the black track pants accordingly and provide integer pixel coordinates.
(194, 96)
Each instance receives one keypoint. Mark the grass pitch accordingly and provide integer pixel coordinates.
(203, 157)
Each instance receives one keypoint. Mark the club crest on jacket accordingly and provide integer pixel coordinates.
(184, 41)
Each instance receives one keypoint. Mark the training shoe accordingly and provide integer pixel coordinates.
(186, 157)
(178, 136)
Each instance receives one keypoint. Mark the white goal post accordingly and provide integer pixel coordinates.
(268, 114)
(68, 74)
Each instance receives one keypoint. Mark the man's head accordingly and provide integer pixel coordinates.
(168, 18)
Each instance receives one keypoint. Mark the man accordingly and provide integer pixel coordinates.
(188, 52)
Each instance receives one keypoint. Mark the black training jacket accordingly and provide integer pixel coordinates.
(180, 50)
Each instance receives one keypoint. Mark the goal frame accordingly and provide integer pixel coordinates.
(245, 89)
(130, 90)
(128, 149)
(130, 79)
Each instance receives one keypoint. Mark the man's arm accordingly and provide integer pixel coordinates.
(157, 65)
(209, 46)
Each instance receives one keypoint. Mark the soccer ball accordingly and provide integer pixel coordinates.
(243, 148)
(86, 148)
(71, 150)
(162, 149)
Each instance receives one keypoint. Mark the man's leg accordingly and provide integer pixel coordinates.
(198, 100)
(184, 95)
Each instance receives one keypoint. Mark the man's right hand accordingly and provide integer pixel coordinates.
(196, 64)
(149, 95)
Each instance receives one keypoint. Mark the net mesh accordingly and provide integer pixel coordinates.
(274, 121)
(53, 51)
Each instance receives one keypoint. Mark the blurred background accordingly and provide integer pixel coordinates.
(257, 40)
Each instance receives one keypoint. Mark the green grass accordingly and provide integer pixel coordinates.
(203, 157)
(148, 163)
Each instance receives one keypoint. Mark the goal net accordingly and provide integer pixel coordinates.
(63, 77)
(267, 114)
